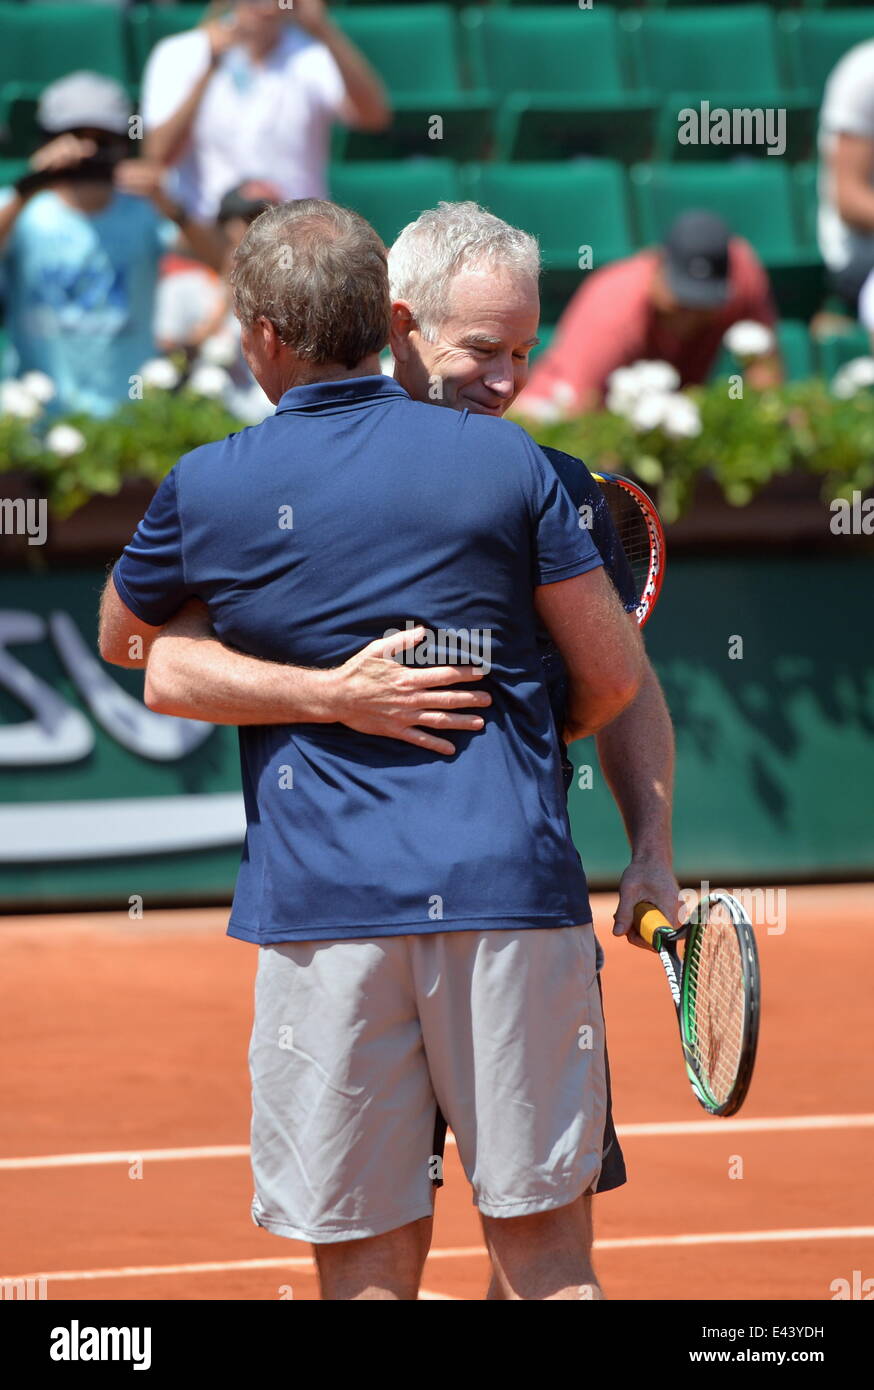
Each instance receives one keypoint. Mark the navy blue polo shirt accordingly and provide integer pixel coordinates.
(583, 490)
(349, 513)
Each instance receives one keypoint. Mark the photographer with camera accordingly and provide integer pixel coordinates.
(81, 236)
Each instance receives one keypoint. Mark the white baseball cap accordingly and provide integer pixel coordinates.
(84, 99)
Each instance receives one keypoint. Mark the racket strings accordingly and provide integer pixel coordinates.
(716, 1003)
(633, 533)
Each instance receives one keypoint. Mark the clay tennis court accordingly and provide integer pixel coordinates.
(125, 1104)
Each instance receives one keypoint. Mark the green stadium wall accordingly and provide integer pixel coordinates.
(775, 749)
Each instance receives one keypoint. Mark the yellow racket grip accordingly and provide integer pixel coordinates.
(648, 920)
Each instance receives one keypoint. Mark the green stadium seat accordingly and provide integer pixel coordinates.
(393, 193)
(805, 178)
(19, 131)
(731, 47)
(558, 73)
(838, 348)
(43, 42)
(10, 170)
(837, 4)
(538, 4)
(148, 24)
(577, 209)
(414, 50)
(755, 197)
(816, 42)
(676, 4)
(341, 5)
(797, 350)
(728, 56)
(40, 43)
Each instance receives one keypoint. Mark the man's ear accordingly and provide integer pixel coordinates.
(270, 340)
(402, 324)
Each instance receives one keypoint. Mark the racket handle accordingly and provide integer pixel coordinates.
(650, 922)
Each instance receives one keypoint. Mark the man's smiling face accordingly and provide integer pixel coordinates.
(479, 361)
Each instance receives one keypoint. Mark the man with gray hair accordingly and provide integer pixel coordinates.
(411, 961)
(465, 313)
(466, 307)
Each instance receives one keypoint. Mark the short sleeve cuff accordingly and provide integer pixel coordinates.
(551, 574)
(146, 612)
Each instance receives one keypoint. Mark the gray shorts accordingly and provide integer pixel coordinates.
(360, 1048)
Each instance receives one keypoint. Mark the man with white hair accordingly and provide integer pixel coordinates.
(463, 344)
(465, 313)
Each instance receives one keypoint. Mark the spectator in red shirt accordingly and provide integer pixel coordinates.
(671, 303)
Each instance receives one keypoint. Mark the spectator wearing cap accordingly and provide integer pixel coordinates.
(671, 303)
(80, 239)
(253, 94)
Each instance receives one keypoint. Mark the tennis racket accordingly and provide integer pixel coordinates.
(640, 532)
(716, 992)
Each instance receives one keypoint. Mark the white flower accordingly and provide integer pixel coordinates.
(624, 381)
(682, 419)
(861, 371)
(40, 386)
(542, 411)
(649, 411)
(853, 377)
(15, 399)
(623, 391)
(209, 381)
(671, 411)
(65, 441)
(618, 404)
(748, 339)
(627, 387)
(219, 350)
(159, 372)
(656, 376)
(548, 410)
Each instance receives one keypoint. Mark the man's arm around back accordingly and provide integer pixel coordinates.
(602, 651)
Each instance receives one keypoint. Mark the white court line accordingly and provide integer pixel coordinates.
(455, 1252)
(712, 1127)
(740, 1237)
(774, 1125)
(125, 1156)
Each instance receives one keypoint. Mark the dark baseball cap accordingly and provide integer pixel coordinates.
(248, 200)
(696, 260)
